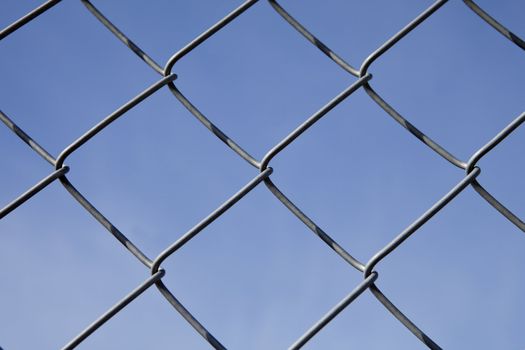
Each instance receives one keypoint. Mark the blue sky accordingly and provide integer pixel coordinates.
(257, 278)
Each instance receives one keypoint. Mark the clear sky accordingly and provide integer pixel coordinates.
(257, 277)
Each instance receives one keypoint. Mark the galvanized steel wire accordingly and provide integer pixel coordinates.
(363, 79)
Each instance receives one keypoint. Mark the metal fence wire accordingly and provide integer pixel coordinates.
(363, 79)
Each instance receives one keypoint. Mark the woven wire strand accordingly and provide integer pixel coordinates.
(362, 80)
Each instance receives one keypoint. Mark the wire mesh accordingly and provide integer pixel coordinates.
(363, 79)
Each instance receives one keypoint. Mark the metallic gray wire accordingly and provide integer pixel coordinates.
(207, 34)
(185, 239)
(27, 139)
(176, 92)
(495, 24)
(509, 129)
(503, 134)
(191, 108)
(27, 18)
(311, 38)
(209, 219)
(289, 139)
(32, 191)
(399, 240)
(313, 226)
(42, 153)
(90, 208)
(211, 127)
(399, 35)
(380, 101)
(498, 206)
(312, 120)
(420, 221)
(336, 310)
(412, 129)
(60, 172)
(114, 310)
(85, 138)
(111, 118)
(189, 317)
(418, 333)
(370, 276)
(125, 40)
(181, 53)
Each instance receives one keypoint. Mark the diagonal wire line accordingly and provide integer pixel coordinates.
(370, 275)
(27, 18)
(495, 24)
(503, 134)
(114, 310)
(122, 37)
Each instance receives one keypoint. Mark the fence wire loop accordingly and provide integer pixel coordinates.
(362, 79)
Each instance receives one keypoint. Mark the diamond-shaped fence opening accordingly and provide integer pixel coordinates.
(360, 78)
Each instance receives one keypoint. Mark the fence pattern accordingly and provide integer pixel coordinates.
(362, 81)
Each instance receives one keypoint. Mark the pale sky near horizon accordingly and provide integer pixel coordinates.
(257, 277)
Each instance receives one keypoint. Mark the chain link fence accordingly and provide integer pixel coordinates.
(363, 80)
